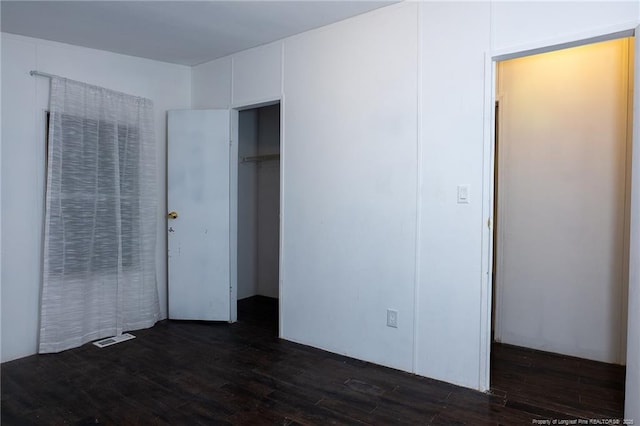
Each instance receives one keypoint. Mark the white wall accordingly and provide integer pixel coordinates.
(562, 196)
(349, 107)
(350, 186)
(24, 99)
(211, 84)
(269, 202)
(257, 75)
(632, 392)
(522, 25)
(450, 244)
(456, 127)
(384, 116)
(1, 186)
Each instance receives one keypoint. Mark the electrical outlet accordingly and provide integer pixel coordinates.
(392, 318)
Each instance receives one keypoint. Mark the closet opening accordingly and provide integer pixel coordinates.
(563, 136)
(258, 216)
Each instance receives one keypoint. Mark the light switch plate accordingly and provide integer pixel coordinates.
(463, 194)
(392, 318)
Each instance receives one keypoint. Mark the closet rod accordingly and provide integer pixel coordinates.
(261, 158)
(40, 74)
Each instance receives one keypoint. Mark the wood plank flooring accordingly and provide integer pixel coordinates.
(192, 373)
(565, 386)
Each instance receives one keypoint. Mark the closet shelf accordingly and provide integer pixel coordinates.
(259, 158)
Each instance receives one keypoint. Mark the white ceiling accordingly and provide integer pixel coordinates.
(181, 32)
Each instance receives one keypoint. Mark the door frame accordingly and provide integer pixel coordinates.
(233, 201)
(488, 174)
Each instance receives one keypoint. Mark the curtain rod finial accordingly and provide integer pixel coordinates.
(35, 73)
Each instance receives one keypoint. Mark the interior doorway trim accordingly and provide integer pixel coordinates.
(233, 202)
(488, 174)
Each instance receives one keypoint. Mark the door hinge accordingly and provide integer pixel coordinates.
(489, 223)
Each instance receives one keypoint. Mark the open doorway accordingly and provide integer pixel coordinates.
(258, 216)
(561, 242)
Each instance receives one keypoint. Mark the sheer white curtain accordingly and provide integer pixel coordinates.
(100, 227)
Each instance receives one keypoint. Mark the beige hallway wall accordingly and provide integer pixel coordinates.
(562, 194)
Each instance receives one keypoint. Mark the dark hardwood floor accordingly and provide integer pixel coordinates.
(190, 373)
(557, 386)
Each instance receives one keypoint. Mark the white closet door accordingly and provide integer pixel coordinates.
(198, 194)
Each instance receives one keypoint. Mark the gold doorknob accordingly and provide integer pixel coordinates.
(172, 215)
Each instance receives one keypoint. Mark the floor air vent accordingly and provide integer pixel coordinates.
(113, 340)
